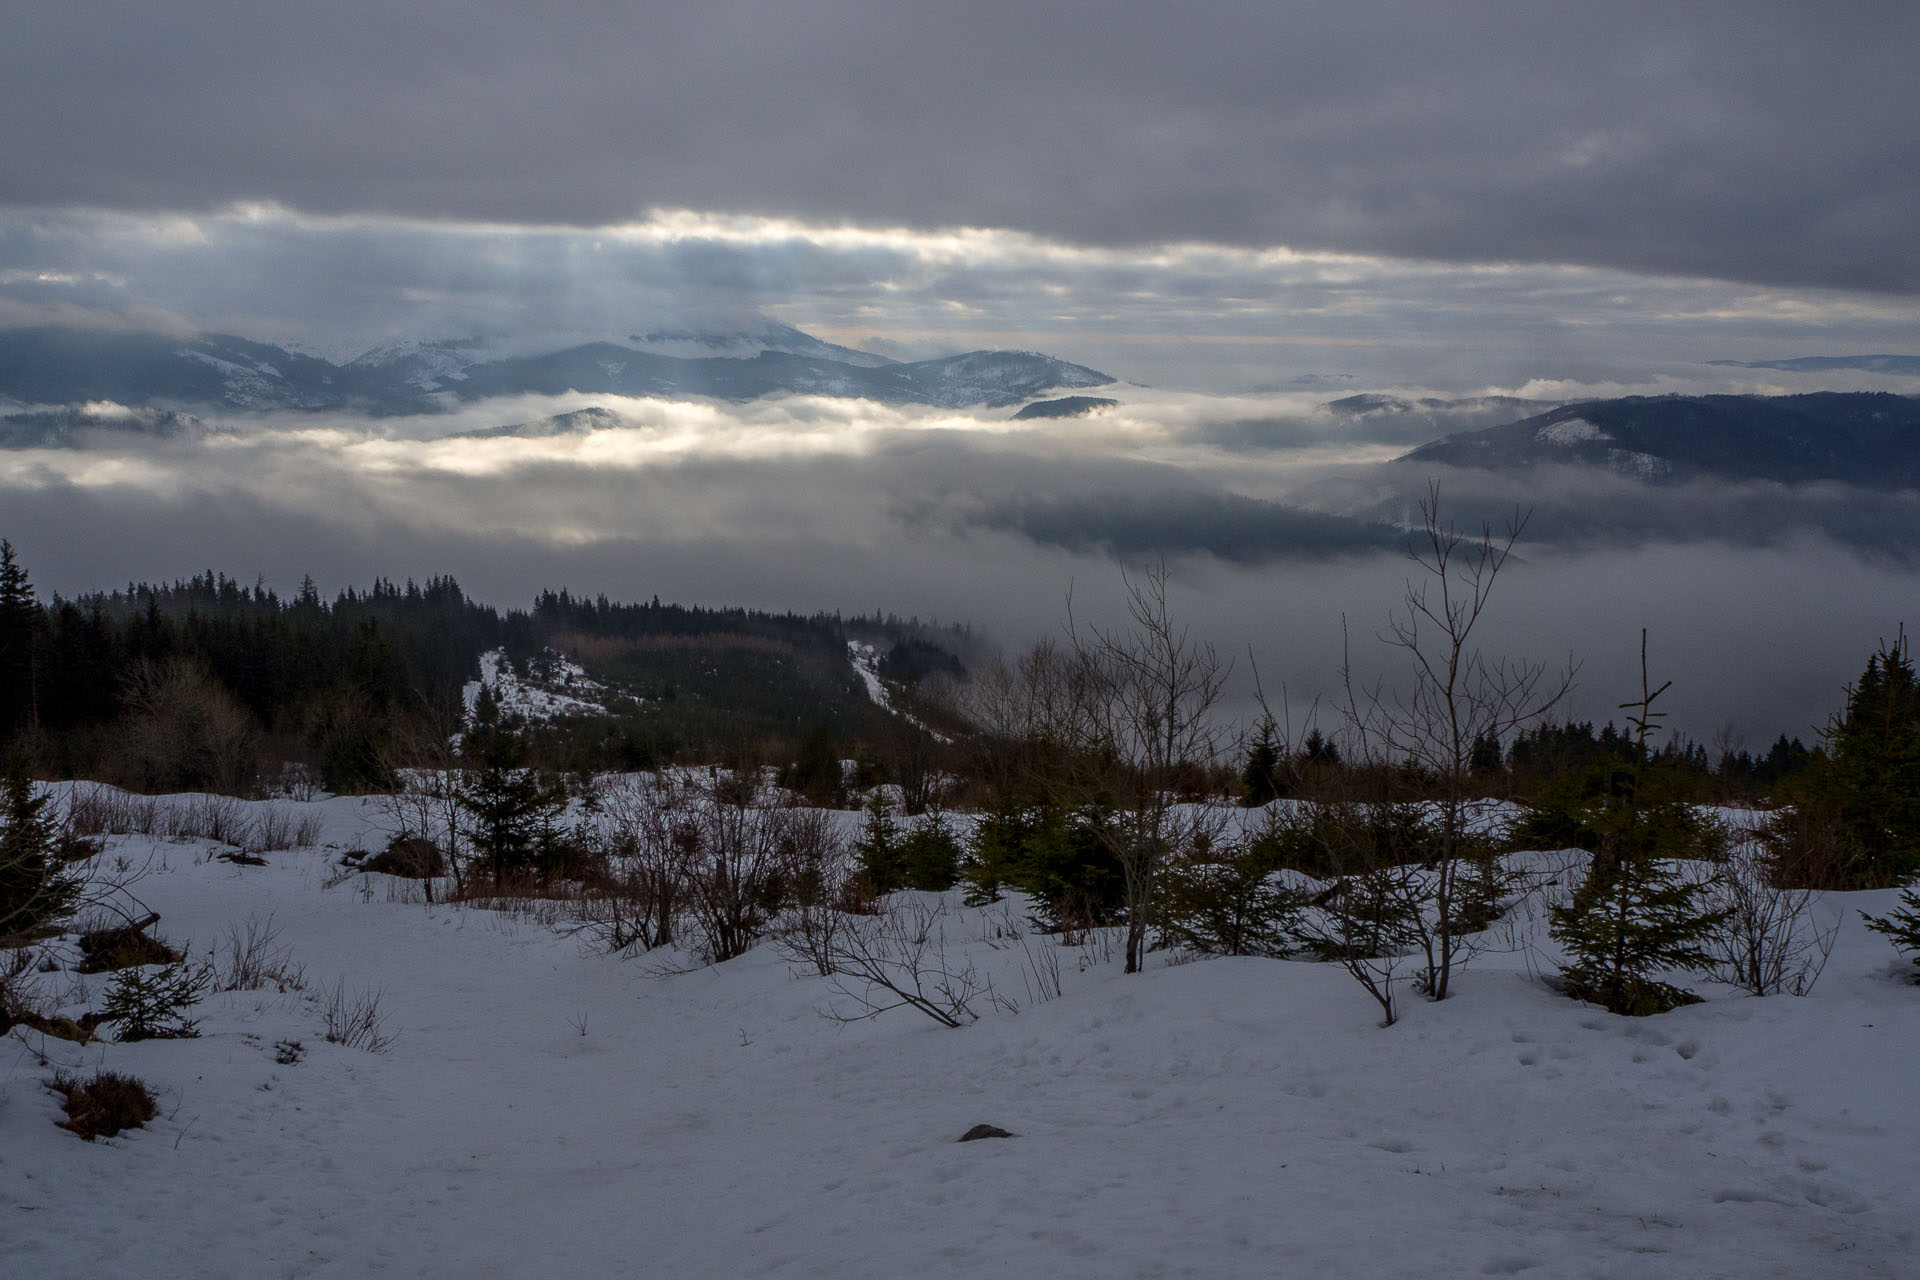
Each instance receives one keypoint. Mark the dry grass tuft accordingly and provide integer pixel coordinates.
(104, 1105)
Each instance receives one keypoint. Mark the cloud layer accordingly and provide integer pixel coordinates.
(1760, 141)
(1182, 314)
(816, 504)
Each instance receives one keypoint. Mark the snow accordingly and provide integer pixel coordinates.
(866, 664)
(564, 691)
(1631, 462)
(433, 364)
(549, 1111)
(1570, 432)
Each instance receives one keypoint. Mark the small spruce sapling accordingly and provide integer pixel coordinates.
(152, 1004)
(1902, 924)
(929, 855)
(1636, 915)
(878, 847)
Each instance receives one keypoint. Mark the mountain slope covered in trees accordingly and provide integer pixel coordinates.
(1870, 439)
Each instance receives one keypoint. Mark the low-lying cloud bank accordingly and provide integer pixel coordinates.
(1761, 600)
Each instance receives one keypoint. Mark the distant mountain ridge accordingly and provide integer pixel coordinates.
(989, 378)
(54, 367)
(1899, 365)
(746, 342)
(1870, 439)
(1065, 407)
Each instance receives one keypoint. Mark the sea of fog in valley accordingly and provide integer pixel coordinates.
(1277, 518)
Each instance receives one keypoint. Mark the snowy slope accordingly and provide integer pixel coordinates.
(547, 1112)
(748, 339)
(866, 664)
(562, 690)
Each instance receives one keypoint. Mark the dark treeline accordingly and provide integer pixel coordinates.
(187, 685)
(210, 683)
(1551, 761)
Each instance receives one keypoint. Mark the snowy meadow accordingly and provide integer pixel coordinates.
(527, 1101)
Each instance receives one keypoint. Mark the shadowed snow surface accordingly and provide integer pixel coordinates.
(1219, 1118)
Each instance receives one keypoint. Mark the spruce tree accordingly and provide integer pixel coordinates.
(19, 631)
(1870, 785)
(930, 855)
(35, 890)
(1902, 924)
(1636, 916)
(1259, 780)
(507, 801)
(878, 848)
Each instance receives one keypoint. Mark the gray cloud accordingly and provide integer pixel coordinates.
(1192, 316)
(807, 506)
(1757, 140)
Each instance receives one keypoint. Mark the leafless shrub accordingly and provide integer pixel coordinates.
(427, 808)
(1139, 702)
(815, 935)
(897, 959)
(252, 957)
(296, 782)
(1455, 698)
(276, 827)
(1369, 922)
(222, 819)
(355, 1020)
(187, 732)
(95, 809)
(1042, 972)
(1771, 941)
(749, 861)
(649, 841)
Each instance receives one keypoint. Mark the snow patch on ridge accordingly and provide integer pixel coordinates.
(558, 688)
(1631, 462)
(1570, 432)
(866, 664)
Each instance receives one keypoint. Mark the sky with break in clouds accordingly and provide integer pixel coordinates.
(1247, 207)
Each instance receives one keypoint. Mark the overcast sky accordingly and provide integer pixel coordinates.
(1205, 193)
(1267, 198)
(1751, 140)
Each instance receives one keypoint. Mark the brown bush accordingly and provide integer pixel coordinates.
(186, 732)
(103, 1105)
(106, 950)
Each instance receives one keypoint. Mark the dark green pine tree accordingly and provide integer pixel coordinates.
(878, 848)
(507, 802)
(19, 632)
(1902, 924)
(1260, 779)
(1870, 785)
(930, 855)
(486, 707)
(1636, 916)
(35, 889)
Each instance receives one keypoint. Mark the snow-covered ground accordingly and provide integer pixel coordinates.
(545, 1111)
